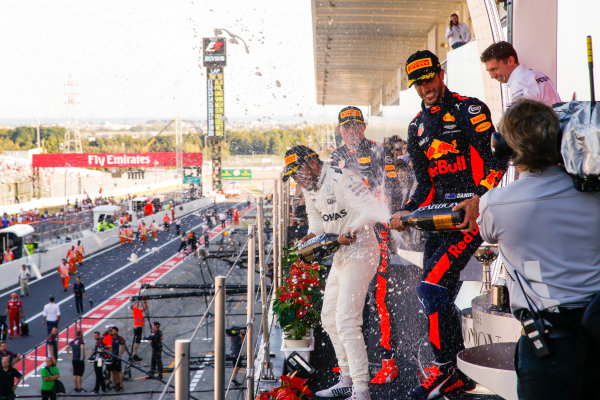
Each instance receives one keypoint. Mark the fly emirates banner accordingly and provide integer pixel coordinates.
(115, 160)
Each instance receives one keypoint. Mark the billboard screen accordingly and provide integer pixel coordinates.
(114, 160)
(215, 102)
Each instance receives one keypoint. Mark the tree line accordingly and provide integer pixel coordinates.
(237, 142)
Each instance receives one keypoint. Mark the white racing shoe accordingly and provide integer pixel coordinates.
(360, 395)
(341, 389)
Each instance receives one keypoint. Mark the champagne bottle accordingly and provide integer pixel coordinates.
(435, 217)
(319, 247)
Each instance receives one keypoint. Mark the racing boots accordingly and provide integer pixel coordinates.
(442, 379)
(387, 373)
(341, 389)
(360, 395)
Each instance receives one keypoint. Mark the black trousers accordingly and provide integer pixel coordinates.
(156, 362)
(79, 304)
(48, 395)
(99, 378)
(571, 369)
(445, 255)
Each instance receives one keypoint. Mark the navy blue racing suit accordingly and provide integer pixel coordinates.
(449, 145)
(372, 163)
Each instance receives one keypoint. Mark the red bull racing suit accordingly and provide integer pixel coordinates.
(449, 145)
(370, 161)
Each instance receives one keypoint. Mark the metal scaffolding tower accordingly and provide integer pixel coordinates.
(72, 142)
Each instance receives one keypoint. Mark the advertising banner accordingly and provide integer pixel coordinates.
(114, 160)
(236, 174)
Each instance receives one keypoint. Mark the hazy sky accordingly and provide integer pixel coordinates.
(141, 58)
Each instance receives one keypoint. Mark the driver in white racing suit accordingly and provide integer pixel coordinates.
(337, 201)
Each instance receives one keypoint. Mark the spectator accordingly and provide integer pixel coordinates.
(52, 344)
(14, 310)
(50, 374)
(234, 352)
(79, 294)
(183, 243)
(222, 219)
(51, 315)
(117, 348)
(502, 63)
(98, 356)
(138, 309)
(458, 33)
(177, 224)
(8, 374)
(8, 255)
(77, 349)
(552, 263)
(155, 339)
(4, 352)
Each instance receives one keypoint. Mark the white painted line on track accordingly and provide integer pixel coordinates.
(196, 379)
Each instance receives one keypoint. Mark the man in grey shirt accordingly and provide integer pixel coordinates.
(549, 240)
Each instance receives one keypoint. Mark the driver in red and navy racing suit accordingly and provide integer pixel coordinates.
(449, 145)
(375, 166)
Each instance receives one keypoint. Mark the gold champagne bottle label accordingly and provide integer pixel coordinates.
(443, 221)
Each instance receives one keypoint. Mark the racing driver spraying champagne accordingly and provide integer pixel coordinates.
(337, 201)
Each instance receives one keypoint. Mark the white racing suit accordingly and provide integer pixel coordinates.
(340, 203)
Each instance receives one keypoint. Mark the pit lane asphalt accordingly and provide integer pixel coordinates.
(95, 269)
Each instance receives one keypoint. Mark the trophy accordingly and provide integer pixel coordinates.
(486, 254)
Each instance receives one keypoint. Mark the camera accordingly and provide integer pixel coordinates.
(536, 332)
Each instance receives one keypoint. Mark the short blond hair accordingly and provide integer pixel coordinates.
(532, 129)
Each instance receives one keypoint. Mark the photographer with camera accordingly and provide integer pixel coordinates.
(458, 33)
(237, 335)
(547, 234)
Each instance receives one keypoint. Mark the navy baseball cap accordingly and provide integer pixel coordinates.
(295, 157)
(350, 113)
(422, 65)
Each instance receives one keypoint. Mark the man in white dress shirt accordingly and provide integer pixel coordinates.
(458, 33)
(502, 63)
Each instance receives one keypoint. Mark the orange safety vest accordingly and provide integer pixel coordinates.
(153, 227)
(143, 229)
(70, 254)
(122, 233)
(130, 231)
(63, 270)
(80, 250)
(138, 316)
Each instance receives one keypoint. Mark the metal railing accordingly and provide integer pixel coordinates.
(62, 226)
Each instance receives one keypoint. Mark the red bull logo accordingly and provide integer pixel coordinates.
(439, 148)
(443, 167)
(448, 118)
(492, 179)
(460, 246)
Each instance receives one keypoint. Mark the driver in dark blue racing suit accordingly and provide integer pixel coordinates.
(449, 145)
